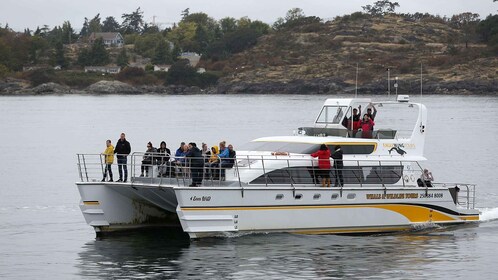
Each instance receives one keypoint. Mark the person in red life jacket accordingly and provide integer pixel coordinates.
(323, 171)
(370, 114)
(367, 125)
(354, 121)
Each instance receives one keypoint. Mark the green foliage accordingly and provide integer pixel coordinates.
(110, 25)
(94, 24)
(133, 23)
(162, 53)
(181, 73)
(40, 76)
(136, 76)
(488, 30)
(467, 22)
(95, 56)
(122, 58)
(381, 8)
(59, 58)
(4, 71)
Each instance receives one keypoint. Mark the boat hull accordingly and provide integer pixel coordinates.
(214, 212)
(110, 207)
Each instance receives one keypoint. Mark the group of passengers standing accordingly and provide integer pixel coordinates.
(365, 125)
(324, 155)
(200, 162)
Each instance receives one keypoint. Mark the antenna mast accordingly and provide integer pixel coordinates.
(356, 88)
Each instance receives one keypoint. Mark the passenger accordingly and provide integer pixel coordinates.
(213, 161)
(426, 178)
(367, 127)
(109, 159)
(338, 166)
(354, 121)
(222, 156)
(163, 161)
(147, 160)
(180, 154)
(370, 114)
(196, 164)
(323, 155)
(205, 152)
(230, 161)
(122, 150)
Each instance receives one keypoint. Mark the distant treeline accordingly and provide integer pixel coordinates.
(215, 40)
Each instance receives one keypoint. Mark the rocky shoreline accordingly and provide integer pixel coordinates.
(312, 86)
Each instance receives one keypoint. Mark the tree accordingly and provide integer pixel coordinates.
(293, 15)
(85, 29)
(67, 33)
(181, 73)
(96, 55)
(59, 58)
(94, 24)
(467, 22)
(381, 8)
(488, 30)
(228, 24)
(122, 58)
(162, 54)
(110, 25)
(133, 23)
(185, 13)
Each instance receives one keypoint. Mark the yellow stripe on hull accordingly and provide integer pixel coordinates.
(414, 213)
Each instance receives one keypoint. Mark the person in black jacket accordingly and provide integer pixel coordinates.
(122, 150)
(338, 166)
(163, 161)
(194, 155)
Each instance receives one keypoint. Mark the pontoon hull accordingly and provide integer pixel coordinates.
(118, 206)
(214, 212)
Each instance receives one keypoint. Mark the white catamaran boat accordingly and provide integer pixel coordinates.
(273, 186)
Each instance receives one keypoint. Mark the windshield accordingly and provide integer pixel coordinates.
(331, 114)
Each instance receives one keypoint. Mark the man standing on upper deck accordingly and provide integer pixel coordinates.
(122, 150)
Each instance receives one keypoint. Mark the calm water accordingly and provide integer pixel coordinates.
(43, 234)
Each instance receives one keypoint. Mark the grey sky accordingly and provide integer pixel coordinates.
(32, 13)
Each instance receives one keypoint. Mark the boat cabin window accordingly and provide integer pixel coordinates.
(306, 175)
(331, 114)
(306, 148)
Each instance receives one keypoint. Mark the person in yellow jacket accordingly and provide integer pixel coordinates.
(213, 161)
(109, 159)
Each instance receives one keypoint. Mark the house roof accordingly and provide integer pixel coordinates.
(105, 35)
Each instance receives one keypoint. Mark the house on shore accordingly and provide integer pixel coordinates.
(103, 69)
(111, 39)
(192, 57)
(162, 67)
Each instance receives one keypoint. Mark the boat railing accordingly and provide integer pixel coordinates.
(380, 133)
(156, 169)
(464, 195)
(278, 169)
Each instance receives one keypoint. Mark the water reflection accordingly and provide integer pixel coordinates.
(159, 254)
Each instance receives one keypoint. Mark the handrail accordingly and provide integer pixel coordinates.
(269, 170)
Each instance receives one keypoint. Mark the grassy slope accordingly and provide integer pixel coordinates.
(333, 49)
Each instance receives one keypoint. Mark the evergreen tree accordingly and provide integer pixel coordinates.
(94, 25)
(162, 53)
(59, 55)
(133, 23)
(85, 29)
(110, 25)
(122, 59)
(99, 55)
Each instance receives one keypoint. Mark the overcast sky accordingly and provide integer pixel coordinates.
(20, 14)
